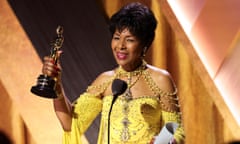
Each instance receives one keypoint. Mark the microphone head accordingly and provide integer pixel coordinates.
(118, 87)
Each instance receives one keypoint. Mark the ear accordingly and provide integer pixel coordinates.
(144, 51)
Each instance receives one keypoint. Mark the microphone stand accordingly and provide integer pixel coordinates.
(118, 88)
(109, 114)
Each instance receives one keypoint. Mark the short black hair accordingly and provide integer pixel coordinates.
(138, 19)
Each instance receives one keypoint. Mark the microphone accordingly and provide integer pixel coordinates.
(118, 87)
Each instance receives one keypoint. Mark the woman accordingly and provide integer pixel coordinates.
(149, 102)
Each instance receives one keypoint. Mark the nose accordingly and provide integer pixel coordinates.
(121, 44)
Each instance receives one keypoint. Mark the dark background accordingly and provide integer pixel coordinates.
(86, 48)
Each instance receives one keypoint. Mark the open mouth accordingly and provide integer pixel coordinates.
(121, 55)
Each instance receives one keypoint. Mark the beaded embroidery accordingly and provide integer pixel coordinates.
(127, 96)
(170, 96)
(143, 72)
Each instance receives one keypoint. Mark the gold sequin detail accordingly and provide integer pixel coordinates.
(143, 72)
(170, 97)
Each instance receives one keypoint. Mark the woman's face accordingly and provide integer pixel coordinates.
(127, 49)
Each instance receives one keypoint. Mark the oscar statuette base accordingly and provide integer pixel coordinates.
(45, 87)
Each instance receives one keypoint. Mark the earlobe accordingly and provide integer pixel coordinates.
(144, 51)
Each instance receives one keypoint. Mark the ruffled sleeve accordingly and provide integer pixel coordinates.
(85, 110)
(174, 117)
(171, 113)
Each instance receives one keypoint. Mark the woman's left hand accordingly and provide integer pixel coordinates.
(172, 141)
(152, 140)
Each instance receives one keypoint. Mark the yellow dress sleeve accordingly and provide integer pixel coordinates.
(174, 117)
(85, 110)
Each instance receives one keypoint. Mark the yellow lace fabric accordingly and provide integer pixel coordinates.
(137, 124)
(174, 117)
(85, 110)
(145, 118)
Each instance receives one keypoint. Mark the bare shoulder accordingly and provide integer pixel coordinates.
(162, 78)
(103, 77)
(101, 84)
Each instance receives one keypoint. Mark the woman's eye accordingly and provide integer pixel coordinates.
(130, 40)
(116, 38)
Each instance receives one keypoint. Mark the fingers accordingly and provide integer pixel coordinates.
(49, 68)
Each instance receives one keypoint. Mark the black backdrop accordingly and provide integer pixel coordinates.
(86, 49)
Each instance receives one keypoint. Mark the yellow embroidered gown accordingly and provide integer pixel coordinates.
(135, 123)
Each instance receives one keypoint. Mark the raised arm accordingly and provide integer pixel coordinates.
(61, 105)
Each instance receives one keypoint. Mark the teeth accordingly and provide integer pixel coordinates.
(121, 55)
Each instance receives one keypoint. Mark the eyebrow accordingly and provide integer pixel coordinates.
(130, 35)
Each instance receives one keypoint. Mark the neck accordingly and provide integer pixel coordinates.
(132, 67)
(121, 72)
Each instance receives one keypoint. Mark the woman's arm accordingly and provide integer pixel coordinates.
(61, 105)
(63, 110)
(171, 111)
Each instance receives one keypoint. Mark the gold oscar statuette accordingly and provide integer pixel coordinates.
(45, 84)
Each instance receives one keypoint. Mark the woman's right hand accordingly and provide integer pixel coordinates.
(53, 69)
(50, 68)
